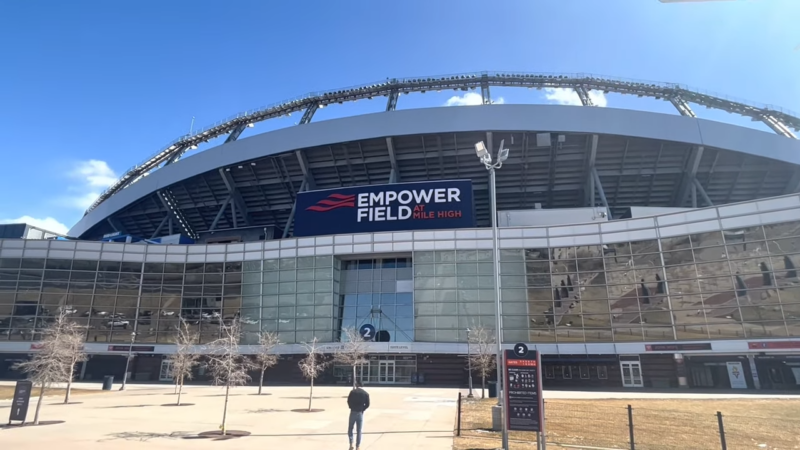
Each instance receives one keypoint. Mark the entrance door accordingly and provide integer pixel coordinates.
(631, 374)
(386, 372)
(165, 374)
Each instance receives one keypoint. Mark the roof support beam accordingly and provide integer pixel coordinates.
(174, 158)
(391, 103)
(394, 176)
(236, 197)
(602, 192)
(169, 202)
(794, 183)
(589, 187)
(777, 126)
(236, 132)
(690, 172)
(682, 106)
(115, 225)
(291, 213)
(309, 114)
(220, 213)
(583, 94)
(309, 177)
(485, 94)
(702, 192)
(160, 226)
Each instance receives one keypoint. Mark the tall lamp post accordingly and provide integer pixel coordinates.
(485, 156)
(128, 361)
(469, 363)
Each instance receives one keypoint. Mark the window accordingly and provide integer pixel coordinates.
(566, 372)
(549, 372)
(602, 372)
(584, 371)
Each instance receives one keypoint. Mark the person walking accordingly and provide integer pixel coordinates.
(358, 401)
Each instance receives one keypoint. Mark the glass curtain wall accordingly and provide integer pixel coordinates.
(735, 284)
(298, 297)
(379, 292)
(453, 291)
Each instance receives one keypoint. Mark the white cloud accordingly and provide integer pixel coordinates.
(564, 96)
(48, 223)
(89, 179)
(470, 99)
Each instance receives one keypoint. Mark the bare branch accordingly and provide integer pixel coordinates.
(60, 349)
(353, 350)
(313, 364)
(265, 356)
(227, 365)
(185, 357)
(482, 350)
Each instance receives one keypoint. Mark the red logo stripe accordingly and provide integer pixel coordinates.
(342, 197)
(328, 208)
(332, 202)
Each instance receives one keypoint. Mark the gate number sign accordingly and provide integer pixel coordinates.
(367, 332)
(523, 393)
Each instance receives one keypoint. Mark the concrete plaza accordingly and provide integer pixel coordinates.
(401, 418)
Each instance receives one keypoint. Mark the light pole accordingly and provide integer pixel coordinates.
(469, 363)
(485, 156)
(128, 361)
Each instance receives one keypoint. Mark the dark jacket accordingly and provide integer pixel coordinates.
(358, 400)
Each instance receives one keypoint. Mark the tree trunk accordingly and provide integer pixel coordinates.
(225, 410)
(176, 385)
(483, 386)
(69, 383)
(311, 394)
(261, 381)
(38, 405)
(180, 390)
(354, 376)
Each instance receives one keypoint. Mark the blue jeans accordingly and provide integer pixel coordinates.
(357, 419)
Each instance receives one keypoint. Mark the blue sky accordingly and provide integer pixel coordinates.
(91, 88)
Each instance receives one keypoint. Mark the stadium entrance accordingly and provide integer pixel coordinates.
(381, 369)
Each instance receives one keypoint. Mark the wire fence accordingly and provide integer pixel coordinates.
(571, 424)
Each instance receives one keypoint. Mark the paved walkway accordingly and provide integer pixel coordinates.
(399, 418)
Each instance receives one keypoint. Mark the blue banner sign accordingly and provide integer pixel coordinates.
(390, 207)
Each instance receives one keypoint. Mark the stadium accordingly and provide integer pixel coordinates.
(636, 249)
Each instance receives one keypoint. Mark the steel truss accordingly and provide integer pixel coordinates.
(779, 120)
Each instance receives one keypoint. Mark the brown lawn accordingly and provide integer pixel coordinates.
(658, 424)
(7, 392)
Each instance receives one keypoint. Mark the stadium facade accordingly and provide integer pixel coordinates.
(635, 249)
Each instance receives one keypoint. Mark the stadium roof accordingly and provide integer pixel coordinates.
(779, 120)
(561, 156)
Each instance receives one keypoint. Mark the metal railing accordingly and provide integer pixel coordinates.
(588, 424)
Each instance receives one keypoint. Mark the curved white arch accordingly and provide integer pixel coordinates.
(512, 118)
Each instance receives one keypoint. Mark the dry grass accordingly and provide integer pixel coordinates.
(7, 392)
(658, 424)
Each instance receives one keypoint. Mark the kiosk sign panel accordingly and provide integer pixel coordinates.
(523, 393)
(390, 207)
(19, 404)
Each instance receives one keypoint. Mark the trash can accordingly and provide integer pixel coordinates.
(108, 381)
(492, 389)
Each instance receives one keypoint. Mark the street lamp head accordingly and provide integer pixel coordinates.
(482, 152)
(502, 154)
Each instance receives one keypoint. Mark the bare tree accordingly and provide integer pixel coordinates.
(265, 358)
(312, 365)
(60, 349)
(227, 365)
(185, 358)
(482, 353)
(353, 351)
